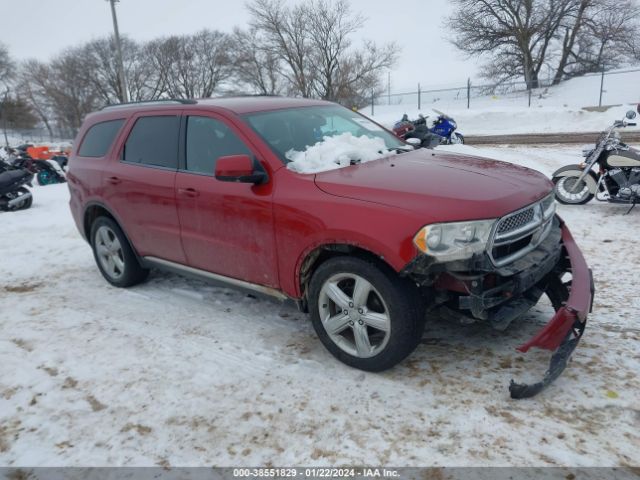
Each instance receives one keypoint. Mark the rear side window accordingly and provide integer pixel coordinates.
(99, 138)
(207, 140)
(153, 141)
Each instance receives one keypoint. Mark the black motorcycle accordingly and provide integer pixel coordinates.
(617, 179)
(13, 193)
(416, 132)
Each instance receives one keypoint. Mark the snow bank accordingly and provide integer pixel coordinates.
(515, 120)
(336, 152)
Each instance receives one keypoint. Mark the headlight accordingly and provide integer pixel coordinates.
(453, 241)
(454, 124)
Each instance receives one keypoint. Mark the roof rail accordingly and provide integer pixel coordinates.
(184, 101)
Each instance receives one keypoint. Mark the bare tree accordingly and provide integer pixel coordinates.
(144, 80)
(609, 37)
(17, 113)
(572, 37)
(32, 84)
(257, 68)
(198, 64)
(7, 65)
(286, 32)
(358, 77)
(515, 36)
(102, 67)
(313, 43)
(71, 94)
(330, 28)
(572, 26)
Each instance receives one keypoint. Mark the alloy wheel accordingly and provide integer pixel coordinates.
(354, 315)
(109, 252)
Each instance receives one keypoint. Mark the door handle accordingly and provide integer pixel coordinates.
(188, 192)
(114, 180)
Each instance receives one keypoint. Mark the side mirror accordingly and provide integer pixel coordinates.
(239, 168)
(413, 141)
(631, 115)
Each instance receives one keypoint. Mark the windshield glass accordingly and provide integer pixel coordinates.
(322, 131)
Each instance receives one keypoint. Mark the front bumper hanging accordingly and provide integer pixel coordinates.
(562, 334)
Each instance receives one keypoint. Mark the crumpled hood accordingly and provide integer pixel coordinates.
(439, 186)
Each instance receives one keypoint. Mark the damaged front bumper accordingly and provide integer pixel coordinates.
(562, 334)
(476, 290)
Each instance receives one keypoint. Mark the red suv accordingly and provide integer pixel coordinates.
(368, 249)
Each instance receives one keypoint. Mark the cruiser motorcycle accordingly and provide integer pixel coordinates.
(617, 179)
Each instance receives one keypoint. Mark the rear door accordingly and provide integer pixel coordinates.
(227, 228)
(139, 185)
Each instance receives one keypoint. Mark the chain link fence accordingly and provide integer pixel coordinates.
(597, 90)
(15, 137)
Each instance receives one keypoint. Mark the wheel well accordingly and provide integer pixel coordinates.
(90, 216)
(321, 254)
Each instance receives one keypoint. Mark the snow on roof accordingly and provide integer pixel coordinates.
(337, 152)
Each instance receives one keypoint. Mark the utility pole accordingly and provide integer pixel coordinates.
(389, 88)
(120, 65)
(602, 85)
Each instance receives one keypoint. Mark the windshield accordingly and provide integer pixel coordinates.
(299, 129)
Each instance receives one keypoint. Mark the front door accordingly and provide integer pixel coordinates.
(227, 228)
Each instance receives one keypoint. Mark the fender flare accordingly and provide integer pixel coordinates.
(591, 179)
(115, 217)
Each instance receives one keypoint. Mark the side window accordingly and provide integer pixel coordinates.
(207, 140)
(99, 138)
(153, 141)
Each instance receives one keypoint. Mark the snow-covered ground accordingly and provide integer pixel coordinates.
(553, 110)
(507, 120)
(177, 372)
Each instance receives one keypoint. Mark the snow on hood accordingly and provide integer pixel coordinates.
(337, 152)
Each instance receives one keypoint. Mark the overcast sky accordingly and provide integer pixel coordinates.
(42, 28)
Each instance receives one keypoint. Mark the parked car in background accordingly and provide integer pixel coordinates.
(204, 188)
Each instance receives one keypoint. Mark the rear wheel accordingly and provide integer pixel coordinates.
(115, 257)
(44, 178)
(22, 200)
(570, 191)
(364, 314)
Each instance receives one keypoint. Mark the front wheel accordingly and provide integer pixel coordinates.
(571, 192)
(364, 314)
(457, 139)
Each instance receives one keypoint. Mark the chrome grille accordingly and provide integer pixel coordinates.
(518, 233)
(515, 221)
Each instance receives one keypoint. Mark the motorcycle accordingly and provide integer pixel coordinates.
(446, 127)
(416, 132)
(443, 128)
(47, 172)
(13, 193)
(617, 179)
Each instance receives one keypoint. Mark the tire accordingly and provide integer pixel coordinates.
(42, 177)
(457, 138)
(387, 341)
(25, 204)
(114, 256)
(561, 186)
